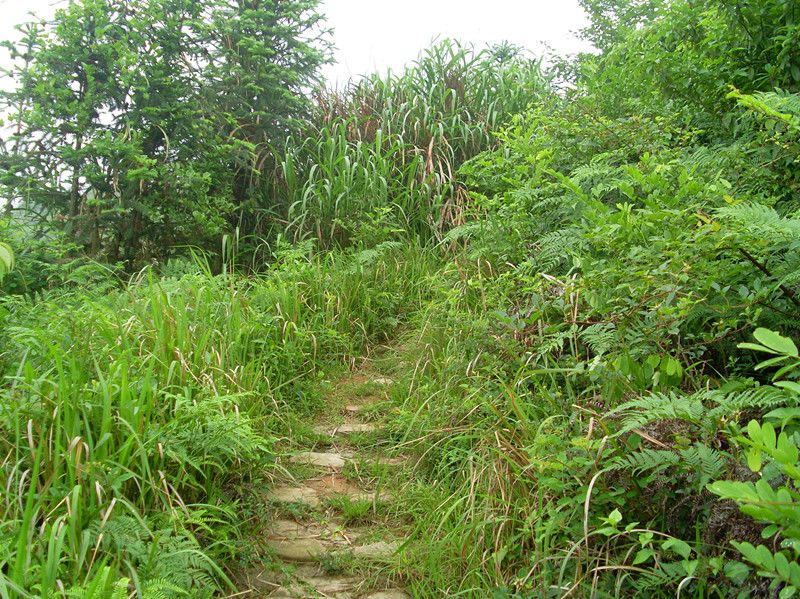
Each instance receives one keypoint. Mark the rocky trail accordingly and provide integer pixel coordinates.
(331, 532)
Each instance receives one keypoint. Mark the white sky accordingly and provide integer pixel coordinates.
(375, 35)
(379, 34)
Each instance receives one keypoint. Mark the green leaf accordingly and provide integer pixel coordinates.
(768, 435)
(787, 452)
(731, 489)
(782, 566)
(6, 259)
(790, 385)
(690, 565)
(769, 531)
(643, 555)
(783, 414)
(682, 548)
(754, 347)
(776, 342)
(754, 431)
(754, 459)
(787, 592)
(771, 362)
(737, 571)
(615, 517)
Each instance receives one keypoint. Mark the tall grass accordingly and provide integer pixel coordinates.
(129, 420)
(395, 142)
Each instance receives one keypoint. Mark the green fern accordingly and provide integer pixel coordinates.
(647, 460)
(553, 249)
(730, 403)
(103, 585)
(660, 406)
(666, 575)
(756, 222)
(701, 461)
(600, 338)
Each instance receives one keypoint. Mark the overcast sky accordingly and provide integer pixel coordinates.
(379, 34)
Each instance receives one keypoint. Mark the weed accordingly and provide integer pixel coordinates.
(352, 510)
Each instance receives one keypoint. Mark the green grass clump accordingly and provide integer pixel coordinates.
(132, 419)
(381, 157)
(352, 510)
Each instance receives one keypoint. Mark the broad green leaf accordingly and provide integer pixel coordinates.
(747, 550)
(787, 452)
(6, 259)
(776, 342)
(768, 435)
(754, 459)
(787, 592)
(790, 385)
(769, 531)
(737, 571)
(754, 347)
(682, 548)
(731, 489)
(754, 431)
(782, 566)
(783, 414)
(690, 565)
(771, 362)
(615, 517)
(765, 557)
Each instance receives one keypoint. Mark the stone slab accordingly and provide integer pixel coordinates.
(345, 429)
(298, 550)
(322, 460)
(376, 551)
(391, 594)
(288, 494)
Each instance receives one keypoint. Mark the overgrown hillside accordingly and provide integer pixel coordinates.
(583, 277)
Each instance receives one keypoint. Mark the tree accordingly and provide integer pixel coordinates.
(266, 56)
(610, 20)
(141, 125)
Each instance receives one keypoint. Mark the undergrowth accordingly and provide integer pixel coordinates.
(581, 268)
(132, 420)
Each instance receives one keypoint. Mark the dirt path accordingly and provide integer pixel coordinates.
(331, 532)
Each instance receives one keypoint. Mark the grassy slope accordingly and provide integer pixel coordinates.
(131, 419)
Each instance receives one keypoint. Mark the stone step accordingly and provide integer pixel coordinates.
(289, 494)
(314, 492)
(331, 588)
(309, 541)
(306, 542)
(324, 591)
(347, 428)
(378, 551)
(335, 460)
(331, 460)
(298, 550)
(335, 485)
(311, 581)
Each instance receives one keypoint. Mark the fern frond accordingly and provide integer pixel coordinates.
(646, 460)
(752, 220)
(701, 461)
(599, 337)
(660, 406)
(553, 248)
(761, 398)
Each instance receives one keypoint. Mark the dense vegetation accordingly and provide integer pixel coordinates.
(589, 272)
